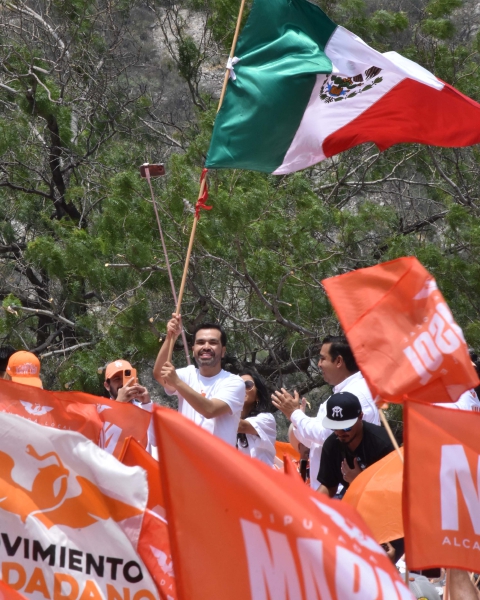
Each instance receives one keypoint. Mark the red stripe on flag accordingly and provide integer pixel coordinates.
(412, 112)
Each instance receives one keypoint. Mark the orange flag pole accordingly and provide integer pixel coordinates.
(202, 195)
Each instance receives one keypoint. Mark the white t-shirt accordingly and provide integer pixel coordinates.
(224, 386)
(311, 432)
(467, 401)
(263, 445)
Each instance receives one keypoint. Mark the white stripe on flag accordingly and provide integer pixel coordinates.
(350, 57)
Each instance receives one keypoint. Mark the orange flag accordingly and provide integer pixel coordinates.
(8, 593)
(70, 517)
(441, 490)
(119, 420)
(377, 495)
(46, 408)
(242, 531)
(101, 420)
(153, 544)
(285, 448)
(402, 332)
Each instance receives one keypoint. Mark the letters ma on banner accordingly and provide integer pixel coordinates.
(402, 332)
(240, 530)
(70, 517)
(441, 500)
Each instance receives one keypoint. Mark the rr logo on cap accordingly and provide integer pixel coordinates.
(337, 411)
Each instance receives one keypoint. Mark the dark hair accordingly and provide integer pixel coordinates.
(264, 402)
(340, 347)
(217, 326)
(5, 354)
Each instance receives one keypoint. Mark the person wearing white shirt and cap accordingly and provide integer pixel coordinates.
(339, 369)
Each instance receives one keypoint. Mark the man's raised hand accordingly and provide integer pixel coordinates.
(285, 402)
(133, 391)
(169, 376)
(174, 327)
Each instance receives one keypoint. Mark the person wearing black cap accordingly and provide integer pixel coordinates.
(353, 446)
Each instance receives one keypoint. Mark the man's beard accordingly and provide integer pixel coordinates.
(206, 360)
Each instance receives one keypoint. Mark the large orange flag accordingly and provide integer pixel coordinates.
(105, 422)
(70, 517)
(153, 544)
(241, 531)
(402, 332)
(441, 490)
(377, 495)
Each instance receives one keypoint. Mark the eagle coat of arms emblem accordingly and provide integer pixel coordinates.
(338, 87)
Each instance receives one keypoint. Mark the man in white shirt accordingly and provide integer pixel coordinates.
(340, 370)
(209, 396)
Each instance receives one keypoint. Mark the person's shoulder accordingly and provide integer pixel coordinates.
(265, 417)
(187, 373)
(190, 369)
(358, 386)
(230, 378)
(376, 431)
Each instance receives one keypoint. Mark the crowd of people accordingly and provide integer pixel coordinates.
(335, 446)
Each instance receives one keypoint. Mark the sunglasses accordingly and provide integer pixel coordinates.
(249, 385)
(348, 429)
(242, 440)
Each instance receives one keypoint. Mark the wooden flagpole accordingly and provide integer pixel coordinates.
(167, 262)
(232, 54)
(203, 181)
(187, 262)
(383, 418)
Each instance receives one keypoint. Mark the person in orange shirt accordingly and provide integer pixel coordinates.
(24, 367)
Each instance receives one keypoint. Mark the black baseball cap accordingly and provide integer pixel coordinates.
(343, 410)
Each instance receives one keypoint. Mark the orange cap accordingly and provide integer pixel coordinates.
(117, 366)
(24, 367)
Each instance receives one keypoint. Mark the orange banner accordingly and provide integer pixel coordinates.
(154, 543)
(101, 420)
(441, 491)
(46, 408)
(240, 530)
(70, 517)
(285, 448)
(402, 332)
(377, 495)
(8, 593)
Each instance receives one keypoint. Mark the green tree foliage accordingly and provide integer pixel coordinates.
(90, 91)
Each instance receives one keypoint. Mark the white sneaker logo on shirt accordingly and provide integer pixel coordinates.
(337, 411)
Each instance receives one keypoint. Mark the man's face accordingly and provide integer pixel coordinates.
(347, 436)
(115, 383)
(327, 366)
(207, 348)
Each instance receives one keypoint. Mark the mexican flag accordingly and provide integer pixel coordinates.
(305, 89)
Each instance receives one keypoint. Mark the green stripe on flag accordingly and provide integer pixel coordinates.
(281, 50)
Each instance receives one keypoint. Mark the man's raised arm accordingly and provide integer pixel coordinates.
(173, 331)
(207, 407)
